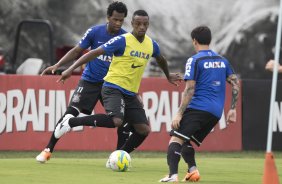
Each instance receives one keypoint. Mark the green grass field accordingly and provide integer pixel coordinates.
(147, 167)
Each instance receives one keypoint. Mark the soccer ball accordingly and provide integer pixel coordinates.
(119, 160)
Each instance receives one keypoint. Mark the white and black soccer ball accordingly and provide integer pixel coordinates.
(119, 160)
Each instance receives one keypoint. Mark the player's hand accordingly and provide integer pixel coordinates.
(231, 116)
(176, 121)
(175, 78)
(51, 69)
(270, 65)
(64, 76)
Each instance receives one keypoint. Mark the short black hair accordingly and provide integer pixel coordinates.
(120, 7)
(140, 13)
(202, 35)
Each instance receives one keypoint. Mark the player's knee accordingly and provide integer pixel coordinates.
(125, 129)
(176, 139)
(73, 111)
(143, 129)
(117, 122)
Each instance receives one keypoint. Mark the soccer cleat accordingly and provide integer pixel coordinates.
(192, 177)
(172, 178)
(44, 156)
(63, 127)
(108, 165)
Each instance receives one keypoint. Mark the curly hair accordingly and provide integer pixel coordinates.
(117, 6)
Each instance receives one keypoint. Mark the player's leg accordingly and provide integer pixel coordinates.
(126, 129)
(207, 122)
(114, 106)
(83, 100)
(187, 127)
(123, 133)
(141, 131)
(173, 158)
(136, 117)
(188, 154)
(45, 155)
(53, 140)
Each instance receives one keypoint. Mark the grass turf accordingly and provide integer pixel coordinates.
(148, 167)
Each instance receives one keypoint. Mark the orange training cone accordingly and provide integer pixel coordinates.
(270, 175)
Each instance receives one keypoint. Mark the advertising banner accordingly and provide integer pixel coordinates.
(30, 106)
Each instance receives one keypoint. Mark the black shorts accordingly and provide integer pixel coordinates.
(128, 108)
(86, 96)
(195, 125)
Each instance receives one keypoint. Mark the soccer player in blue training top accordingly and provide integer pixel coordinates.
(132, 52)
(202, 104)
(88, 90)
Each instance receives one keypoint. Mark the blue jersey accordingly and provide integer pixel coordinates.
(210, 72)
(95, 36)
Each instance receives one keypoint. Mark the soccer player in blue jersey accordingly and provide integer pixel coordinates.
(202, 104)
(88, 90)
(131, 53)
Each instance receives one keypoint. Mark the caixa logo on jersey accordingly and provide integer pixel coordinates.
(214, 64)
(105, 58)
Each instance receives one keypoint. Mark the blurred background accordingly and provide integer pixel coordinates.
(243, 31)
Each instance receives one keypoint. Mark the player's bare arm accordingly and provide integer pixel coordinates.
(233, 80)
(173, 78)
(70, 56)
(186, 98)
(82, 60)
(163, 65)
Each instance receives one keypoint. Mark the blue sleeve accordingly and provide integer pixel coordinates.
(115, 46)
(229, 69)
(156, 49)
(85, 42)
(190, 69)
